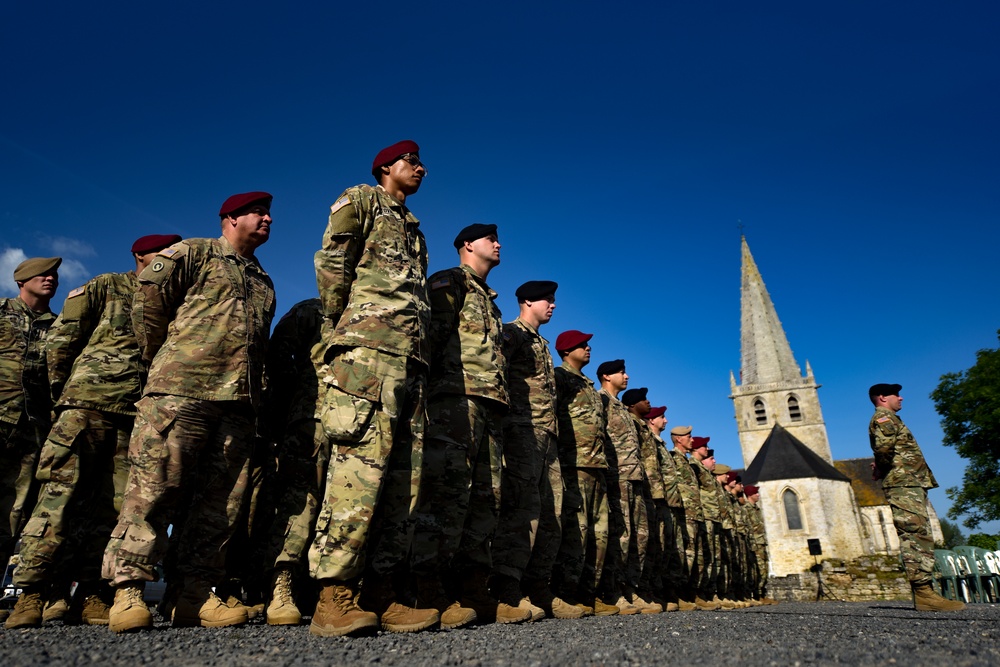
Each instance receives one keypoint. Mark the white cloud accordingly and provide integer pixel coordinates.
(72, 274)
(9, 259)
(63, 246)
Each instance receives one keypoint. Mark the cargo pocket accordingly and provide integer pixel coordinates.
(36, 527)
(345, 417)
(157, 412)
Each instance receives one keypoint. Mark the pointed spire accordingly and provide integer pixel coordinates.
(765, 354)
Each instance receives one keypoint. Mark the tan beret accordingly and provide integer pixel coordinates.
(35, 266)
(681, 430)
(720, 469)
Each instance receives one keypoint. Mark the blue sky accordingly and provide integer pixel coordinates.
(618, 148)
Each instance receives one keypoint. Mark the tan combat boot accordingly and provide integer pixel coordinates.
(27, 612)
(687, 604)
(540, 595)
(601, 608)
(644, 606)
(129, 612)
(55, 609)
(724, 603)
(198, 605)
(501, 606)
(706, 605)
(337, 614)
(431, 595)
(925, 599)
(282, 609)
(393, 614)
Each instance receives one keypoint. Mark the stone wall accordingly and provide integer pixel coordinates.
(864, 579)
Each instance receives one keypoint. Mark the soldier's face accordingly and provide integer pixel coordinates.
(254, 225)
(406, 176)
(543, 308)
(580, 355)
(684, 443)
(894, 402)
(659, 422)
(43, 286)
(487, 249)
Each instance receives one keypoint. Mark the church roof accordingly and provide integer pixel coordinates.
(765, 355)
(783, 456)
(867, 491)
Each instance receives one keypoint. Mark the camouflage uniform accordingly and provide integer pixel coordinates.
(460, 486)
(696, 553)
(711, 508)
(758, 540)
(741, 549)
(646, 568)
(582, 443)
(95, 374)
(673, 535)
(529, 529)
(724, 579)
(292, 410)
(202, 317)
(372, 276)
(25, 413)
(629, 523)
(906, 478)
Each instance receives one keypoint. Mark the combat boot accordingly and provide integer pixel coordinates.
(129, 612)
(55, 609)
(722, 602)
(27, 613)
(282, 609)
(644, 606)
(601, 608)
(687, 604)
(706, 605)
(393, 614)
(503, 605)
(585, 610)
(198, 605)
(89, 604)
(431, 595)
(925, 599)
(230, 592)
(337, 614)
(540, 595)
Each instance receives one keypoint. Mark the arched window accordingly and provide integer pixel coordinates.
(760, 412)
(792, 514)
(794, 412)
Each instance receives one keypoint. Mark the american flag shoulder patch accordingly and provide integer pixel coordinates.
(77, 292)
(339, 204)
(168, 252)
(882, 420)
(443, 282)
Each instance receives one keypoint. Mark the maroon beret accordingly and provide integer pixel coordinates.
(390, 153)
(734, 476)
(656, 412)
(154, 242)
(750, 489)
(567, 340)
(699, 441)
(236, 202)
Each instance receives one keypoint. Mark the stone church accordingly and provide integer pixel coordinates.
(807, 498)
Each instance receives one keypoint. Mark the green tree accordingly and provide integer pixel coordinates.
(953, 536)
(969, 405)
(983, 541)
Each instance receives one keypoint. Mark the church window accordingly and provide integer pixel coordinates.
(792, 515)
(760, 412)
(794, 412)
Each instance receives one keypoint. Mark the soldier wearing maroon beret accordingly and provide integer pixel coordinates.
(95, 374)
(201, 316)
(371, 270)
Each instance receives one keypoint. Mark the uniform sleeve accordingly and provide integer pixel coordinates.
(446, 300)
(280, 368)
(162, 288)
(71, 331)
(337, 258)
(649, 460)
(883, 434)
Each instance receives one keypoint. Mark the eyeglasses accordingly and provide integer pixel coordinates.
(413, 160)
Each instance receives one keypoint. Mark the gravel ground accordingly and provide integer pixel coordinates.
(824, 633)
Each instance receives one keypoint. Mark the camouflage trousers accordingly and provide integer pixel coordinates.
(629, 533)
(373, 415)
(460, 486)
(916, 545)
(763, 568)
(19, 448)
(303, 457)
(676, 573)
(83, 469)
(697, 555)
(714, 563)
(724, 559)
(188, 451)
(529, 528)
(584, 545)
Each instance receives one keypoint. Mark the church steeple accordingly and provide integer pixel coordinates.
(771, 388)
(765, 355)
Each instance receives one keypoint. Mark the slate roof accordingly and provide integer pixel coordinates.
(783, 456)
(867, 492)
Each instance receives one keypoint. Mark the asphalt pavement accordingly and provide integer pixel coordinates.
(799, 633)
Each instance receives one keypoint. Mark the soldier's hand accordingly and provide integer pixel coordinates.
(876, 473)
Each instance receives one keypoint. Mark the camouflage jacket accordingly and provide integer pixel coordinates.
(671, 490)
(741, 522)
(294, 363)
(687, 482)
(582, 422)
(623, 452)
(531, 379)
(725, 506)
(24, 383)
(372, 275)
(647, 453)
(897, 454)
(755, 518)
(710, 501)
(465, 337)
(202, 316)
(93, 356)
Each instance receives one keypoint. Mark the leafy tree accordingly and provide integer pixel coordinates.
(983, 541)
(969, 405)
(953, 536)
